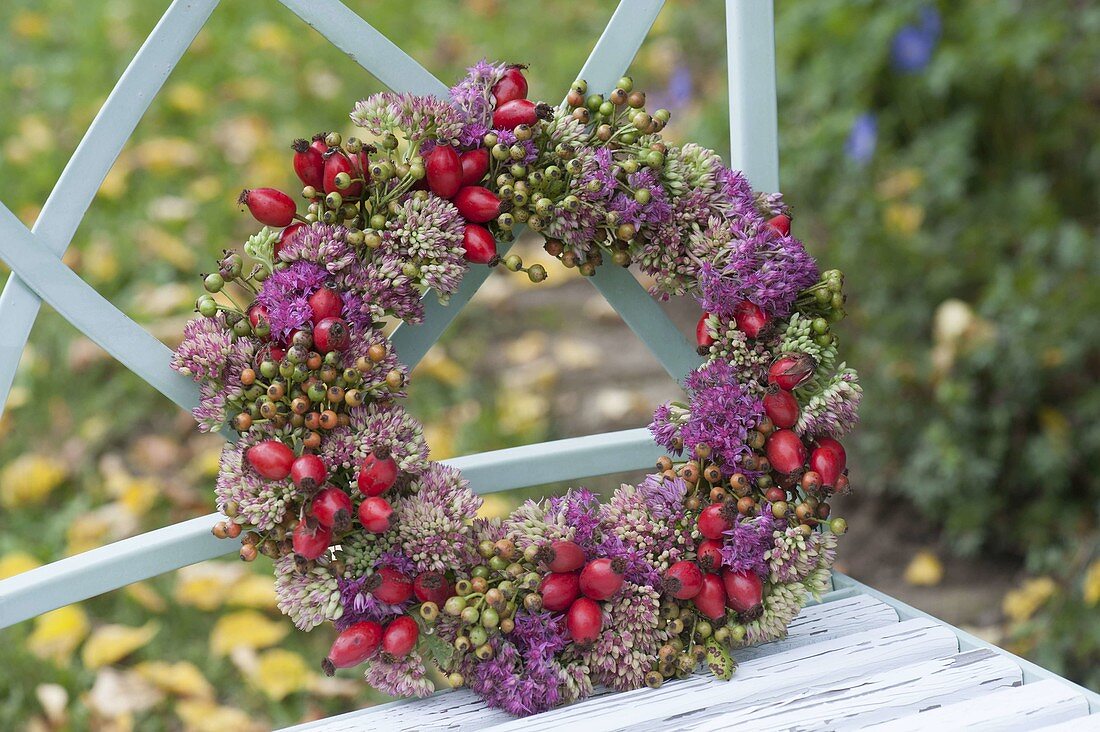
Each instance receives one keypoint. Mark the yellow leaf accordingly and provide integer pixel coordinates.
(495, 505)
(441, 367)
(253, 590)
(903, 218)
(1021, 603)
(182, 678)
(111, 643)
(29, 479)
(187, 98)
(147, 597)
(924, 570)
(269, 37)
(28, 24)
(245, 629)
(200, 715)
(14, 563)
(57, 633)
(1092, 584)
(206, 585)
(440, 438)
(280, 673)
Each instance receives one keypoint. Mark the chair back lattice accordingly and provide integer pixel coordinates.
(38, 274)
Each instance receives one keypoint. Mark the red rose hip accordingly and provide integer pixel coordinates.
(309, 164)
(510, 115)
(432, 586)
(269, 206)
(565, 556)
(512, 86)
(353, 646)
(785, 451)
(308, 472)
(475, 164)
(374, 514)
(400, 636)
(311, 543)
(271, 459)
(559, 590)
(744, 590)
(714, 521)
(781, 408)
(389, 586)
(602, 578)
(479, 245)
(477, 204)
(683, 580)
(584, 620)
(780, 224)
(331, 334)
(376, 475)
(702, 334)
(711, 599)
(791, 371)
(332, 508)
(750, 318)
(709, 555)
(325, 303)
(444, 171)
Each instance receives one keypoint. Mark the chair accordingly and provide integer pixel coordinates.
(874, 659)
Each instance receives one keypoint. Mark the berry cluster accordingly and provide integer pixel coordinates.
(720, 547)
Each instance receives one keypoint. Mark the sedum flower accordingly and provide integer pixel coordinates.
(431, 523)
(627, 646)
(417, 117)
(377, 427)
(781, 604)
(321, 244)
(749, 543)
(427, 232)
(473, 97)
(399, 677)
(202, 352)
(833, 411)
(308, 599)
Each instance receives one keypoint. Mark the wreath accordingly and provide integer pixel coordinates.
(330, 477)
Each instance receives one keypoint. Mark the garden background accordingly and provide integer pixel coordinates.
(943, 156)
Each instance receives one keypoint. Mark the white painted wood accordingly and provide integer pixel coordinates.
(1080, 724)
(750, 57)
(1016, 708)
(463, 710)
(864, 699)
(758, 682)
(1032, 672)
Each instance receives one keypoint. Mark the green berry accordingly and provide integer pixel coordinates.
(214, 282)
(206, 306)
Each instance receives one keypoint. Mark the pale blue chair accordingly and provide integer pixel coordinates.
(856, 659)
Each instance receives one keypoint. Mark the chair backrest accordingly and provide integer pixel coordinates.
(38, 274)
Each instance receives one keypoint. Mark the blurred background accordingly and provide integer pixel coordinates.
(943, 155)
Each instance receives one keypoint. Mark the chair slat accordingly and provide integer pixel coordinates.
(463, 710)
(90, 163)
(872, 696)
(163, 550)
(750, 57)
(1016, 708)
(366, 46)
(94, 315)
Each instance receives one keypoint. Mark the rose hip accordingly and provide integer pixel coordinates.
(475, 164)
(512, 86)
(432, 586)
(566, 556)
(389, 586)
(702, 333)
(683, 580)
(325, 303)
(288, 236)
(257, 314)
(785, 451)
(353, 646)
(271, 459)
(331, 334)
(780, 224)
(781, 408)
(311, 542)
(309, 164)
(584, 621)
(511, 115)
(791, 371)
(559, 590)
(711, 599)
(479, 245)
(374, 514)
(332, 507)
(750, 318)
(336, 163)
(828, 460)
(709, 555)
(477, 204)
(308, 472)
(376, 475)
(714, 520)
(444, 171)
(400, 636)
(269, 206)
(744, 589)
(602, 578)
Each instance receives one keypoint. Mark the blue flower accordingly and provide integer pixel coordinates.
(862, 139)
(913, 45)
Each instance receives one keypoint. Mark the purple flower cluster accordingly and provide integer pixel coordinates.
(749, 541)
(285, 295)
(523, 676)
(722, 413)
(360, 605)
(473, 96)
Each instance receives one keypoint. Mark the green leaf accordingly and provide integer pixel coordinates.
(719, 660)
(441, 652)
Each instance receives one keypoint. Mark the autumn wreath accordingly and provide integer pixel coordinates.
(331, 477)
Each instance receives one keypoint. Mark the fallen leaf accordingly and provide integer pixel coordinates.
(14, 563)
(117, 694)
(200, 715)
(111, 643)
(245, 629)
(57, 633)
(924, 570)
(280, 673)
(182, 678)
(1023, 602)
